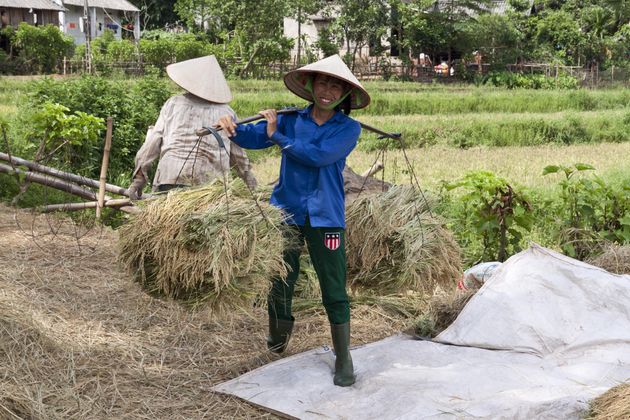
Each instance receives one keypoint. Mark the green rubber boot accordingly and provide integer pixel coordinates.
(279, 334)
(344, 370)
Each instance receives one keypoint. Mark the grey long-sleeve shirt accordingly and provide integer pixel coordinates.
(173, 138)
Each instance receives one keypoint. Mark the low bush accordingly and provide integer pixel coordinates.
(529, 81)
(40, 49)
(134, 106)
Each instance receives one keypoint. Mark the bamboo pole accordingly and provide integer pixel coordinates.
(118, 202)
(204, 131)
(104, 165)
(50, 182)
(81, 180)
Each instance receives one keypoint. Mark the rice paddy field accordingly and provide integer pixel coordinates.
(449, 131)
(80, 339)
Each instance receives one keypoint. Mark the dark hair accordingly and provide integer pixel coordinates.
(346, 105)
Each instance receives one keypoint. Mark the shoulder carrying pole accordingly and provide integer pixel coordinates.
(383, 134)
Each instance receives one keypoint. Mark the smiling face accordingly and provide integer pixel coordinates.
(328, 90)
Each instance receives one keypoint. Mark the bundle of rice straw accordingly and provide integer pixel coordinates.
(613, 404)
(198, 246)
(395, 244)
(615, 259)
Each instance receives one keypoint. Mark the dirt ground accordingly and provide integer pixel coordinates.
(79, 339)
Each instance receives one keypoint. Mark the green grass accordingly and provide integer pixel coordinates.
(11, 92)
(519, 165)
(404, 98)
(500, 129)
(399, 98)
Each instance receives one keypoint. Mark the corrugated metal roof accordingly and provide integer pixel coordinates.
(31, 4)
(105, 4)
(499, 7)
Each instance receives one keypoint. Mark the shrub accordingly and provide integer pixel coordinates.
(491, 211)
(188, 46)
(133, 105)
(529, 81)
(42, 47)
(590, 210)
(158, 53)
(121, 51)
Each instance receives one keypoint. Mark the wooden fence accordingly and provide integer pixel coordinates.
(591, 76)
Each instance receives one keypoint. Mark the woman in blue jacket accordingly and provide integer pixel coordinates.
(315, 142)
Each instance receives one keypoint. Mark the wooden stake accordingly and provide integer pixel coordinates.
(378, 166)
(103, 177)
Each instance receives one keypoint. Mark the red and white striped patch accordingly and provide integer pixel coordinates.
(332, 240)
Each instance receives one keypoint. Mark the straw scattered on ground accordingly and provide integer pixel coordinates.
(440, 312)
(80, 339)
(198, 246)
(614, 404)
(615, 259)
(395, 244)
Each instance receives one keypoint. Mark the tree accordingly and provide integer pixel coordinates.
(197, 14)
(359, 21)
(300, 10)
(441, 26)
(620, 10)
(156, 14)
(496, 38)
(562, 35)
(256, 25)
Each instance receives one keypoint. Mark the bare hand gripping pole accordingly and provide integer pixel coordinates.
(204, 131)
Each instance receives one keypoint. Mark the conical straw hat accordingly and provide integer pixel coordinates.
(331, 66)
(202, 77)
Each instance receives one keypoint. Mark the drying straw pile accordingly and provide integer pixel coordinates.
(614, 404)
(199, 247)
(396, 244)
(615, 259)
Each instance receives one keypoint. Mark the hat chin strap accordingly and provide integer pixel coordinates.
(309, 88)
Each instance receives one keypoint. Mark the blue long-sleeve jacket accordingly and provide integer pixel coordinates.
(311, 170)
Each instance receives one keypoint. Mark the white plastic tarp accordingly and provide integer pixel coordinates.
(541, 338)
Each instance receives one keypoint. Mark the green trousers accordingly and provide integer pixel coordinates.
(328, 255)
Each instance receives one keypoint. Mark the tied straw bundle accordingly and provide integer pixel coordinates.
(395, 244)
(193, 246)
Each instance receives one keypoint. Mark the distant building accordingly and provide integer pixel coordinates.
(33, 12)
(116, 15)
(310, 29)
(495, 7)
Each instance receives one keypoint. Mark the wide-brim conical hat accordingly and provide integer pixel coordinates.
(202, 77)
(331, 66)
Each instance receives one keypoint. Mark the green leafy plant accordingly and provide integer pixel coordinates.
(74, 134)
(493, 211)
(133, 105)
(591, 210)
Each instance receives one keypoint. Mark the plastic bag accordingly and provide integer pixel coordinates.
(477, 275)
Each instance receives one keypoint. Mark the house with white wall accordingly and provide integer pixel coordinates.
(116, 15)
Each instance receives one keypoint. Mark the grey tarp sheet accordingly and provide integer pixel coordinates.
(542, 337)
